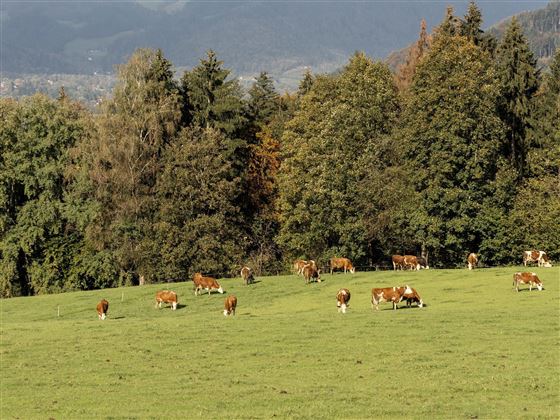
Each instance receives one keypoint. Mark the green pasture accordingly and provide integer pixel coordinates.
(477, 350)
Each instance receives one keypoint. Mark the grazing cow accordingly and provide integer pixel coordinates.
(102, 308)
(230, 305)
(342, 299)
(411, 261)
(342, 263)
(422, 262)
(472, 260)
(247, 275)
(539, 257)
(398, 262)
(310, 273)
(166, 296)
(298, 266)
(527, 278)
(411, 296)
(208, 283)
(387, 294)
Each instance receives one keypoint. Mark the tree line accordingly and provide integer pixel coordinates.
(457, 152)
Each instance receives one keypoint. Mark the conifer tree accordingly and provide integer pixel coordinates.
(405, 73)
(263, 100)
(518, 82)
(306, 83)
(471, 27)
(212, 101)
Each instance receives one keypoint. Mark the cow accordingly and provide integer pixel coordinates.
(411, 296)
(422, 262)
(411, 261)
(342, 263)
(166, 296)
(247, 275)
(387, 294)
(398, 262)
(102, 308)
(539, 257)
(208, 283)
(472, 260)
(311, 273)
(298, 266)
(527, 278)
(342, 299)
(229, 305)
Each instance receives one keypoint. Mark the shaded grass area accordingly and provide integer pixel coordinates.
(478, 350)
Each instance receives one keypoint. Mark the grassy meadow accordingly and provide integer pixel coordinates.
(477, 350)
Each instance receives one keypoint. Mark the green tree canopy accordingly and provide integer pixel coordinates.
(338, 119)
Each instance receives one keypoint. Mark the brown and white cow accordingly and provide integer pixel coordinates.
(411, 262)
(311, 273)
(398, 262)
(342, 299)
(539, 257)
(387, 294)
(229, 305)
(342, 264)
(208, 283)
(527, 278)
(411, 296)
(102, 308)
(298, 266)
(422, 263)
(167, 296)
(247, 275)
(472, 260)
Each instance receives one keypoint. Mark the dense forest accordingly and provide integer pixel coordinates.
(458, 151)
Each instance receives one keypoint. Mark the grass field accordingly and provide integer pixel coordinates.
(477, 350)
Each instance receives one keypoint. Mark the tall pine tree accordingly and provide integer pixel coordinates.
(518, 82)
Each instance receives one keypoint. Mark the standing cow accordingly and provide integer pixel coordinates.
(298, 266)
(527, 278)
(229, 305)
(209, 283)
(387, 294)
(539, 257)
(398, 262)
(342, 299)
(342, 264)
(311, 273)
(472, 261)
(102, 308)
(247, 275)
(167, 296)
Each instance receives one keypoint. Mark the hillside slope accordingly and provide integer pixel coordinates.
(278, 37)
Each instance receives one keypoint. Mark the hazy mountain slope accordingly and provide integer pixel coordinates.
(279, 37)
(541, 27)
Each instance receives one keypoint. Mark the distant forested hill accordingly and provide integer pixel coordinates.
(281, 38)
(541, 27)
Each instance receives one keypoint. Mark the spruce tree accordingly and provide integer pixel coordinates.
(518, 82)
(211, 100)
(263, 100)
